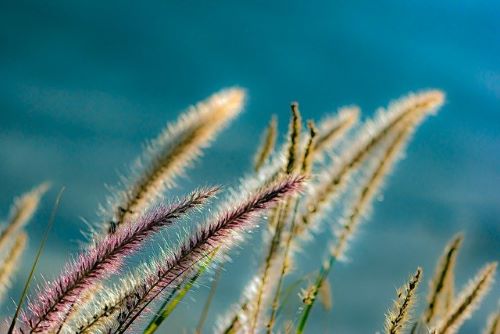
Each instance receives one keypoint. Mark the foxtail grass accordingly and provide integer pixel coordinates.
(398, 318)
(27, 284)
(268, 142)
(10, 262)
(294, 139)
(166, 157)
(441, 289)
(286, 259)
(467, 301)
(223, 231)
(360, 204)
(270, 267)
(373, 133)
(102, 260)
(493, 323)
(176, 296)
(21, 212)
(345, 166)
(333, 128)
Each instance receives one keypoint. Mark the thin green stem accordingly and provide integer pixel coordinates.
(275, 303)
(206, 307)
(169, 305)
(322, 275)
(272, 249)
(38, 254)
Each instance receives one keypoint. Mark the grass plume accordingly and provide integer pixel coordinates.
(21, 212)
(371, 135)
(361, 203)
(41, 247)
(294, 139)
(333, 127)
(10, 262)
(222, 232)
(345, 166)
(102, 260)
(441, 286)
(399, 316)
(493, 323)
(268, 142)
(167, 156)
(467, 301)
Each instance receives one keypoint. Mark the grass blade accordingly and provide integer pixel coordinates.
(39, 253)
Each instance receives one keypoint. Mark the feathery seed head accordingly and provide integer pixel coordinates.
(294, 139)
(307, 159)
(399, 316)
(103, 259)
(467, 301)
(10, 262)
(268, 142)
(21, 212)
(221, 232)
(442, 284)
(493, 323)
(408, 110)
(176, 148)
(334, 127)
(308, 295)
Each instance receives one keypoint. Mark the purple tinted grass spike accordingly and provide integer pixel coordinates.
(102, 260)
(222, 232)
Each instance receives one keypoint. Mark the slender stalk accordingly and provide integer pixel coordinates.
(277, 292)
(292, 163)
(168, 307)
(267, 265)
(171, 306)
(322, 275)
(206, 307)
(306, 169)
(37, 257)
(359, 206)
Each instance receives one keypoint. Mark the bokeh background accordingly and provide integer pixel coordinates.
(84, 83)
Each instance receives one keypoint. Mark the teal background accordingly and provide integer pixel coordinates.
(84, 83)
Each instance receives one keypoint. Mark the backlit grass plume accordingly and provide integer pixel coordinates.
(359, 205)
(21, 212)
(267, 144)
(372, 134)
(333, 127)
(324, 175)
(102, 260)
(167, 156)
(493, 324)
(467, 301)
(441, 290)
(223, 230)
(10, 262)
(399, 316)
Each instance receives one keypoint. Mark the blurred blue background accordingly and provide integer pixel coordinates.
(84, 83)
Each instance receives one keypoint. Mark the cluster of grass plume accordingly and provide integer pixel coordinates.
(330, 165)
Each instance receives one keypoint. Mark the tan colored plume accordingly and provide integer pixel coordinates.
(166, 157)
(21, 212)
